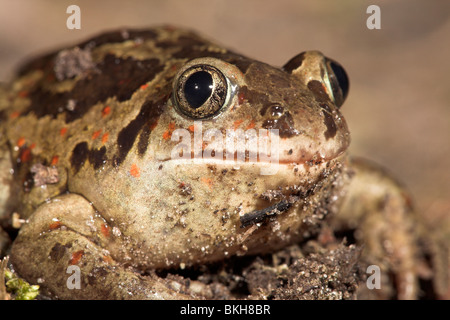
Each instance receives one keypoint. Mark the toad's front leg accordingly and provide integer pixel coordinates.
(69, 232)
(380, 213)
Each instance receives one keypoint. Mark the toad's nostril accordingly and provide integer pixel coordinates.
(276, 110)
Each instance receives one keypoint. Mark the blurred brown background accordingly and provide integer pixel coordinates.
(398, 108)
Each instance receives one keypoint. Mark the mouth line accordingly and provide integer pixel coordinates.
(225, 160)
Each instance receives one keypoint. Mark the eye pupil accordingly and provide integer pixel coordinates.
(200, 91)
(198, 88)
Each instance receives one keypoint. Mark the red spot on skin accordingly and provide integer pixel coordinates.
(76, 257)
(237, 123)
(54, 161)
(135, 171)
(25, 155)
(105, 137)
(14, 115)
(106, 110)
(96, 134)
(105, 230)
(55, 225)
(208, 182)
(21, 142)
(168, 134)
(23, 94)
(144, 86)
(33, 145)
(107, 259)
(63, 131)
(251, 125)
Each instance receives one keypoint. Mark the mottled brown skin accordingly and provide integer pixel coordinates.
(103, 114)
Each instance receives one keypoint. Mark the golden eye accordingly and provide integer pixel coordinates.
(201, 91)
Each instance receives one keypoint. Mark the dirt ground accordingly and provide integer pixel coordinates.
(398, 107)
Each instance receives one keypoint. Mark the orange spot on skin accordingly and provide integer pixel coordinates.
(106, 110)
(55, 225)
(135, 171)
(54, 161)
(23, 94)
(107, 259)
(251, 125)
(168, 134)
(63, 131)
(14, 115)
(96, 134)
(76, 257)
(144, 86)
(191, 128)
(105, 137)
(21, 142)
(208, 182)
(33, 145)
(25, 155)
(237, 123)
(105, 230)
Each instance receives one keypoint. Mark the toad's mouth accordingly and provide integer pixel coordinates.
(227, 158)
(308, 145)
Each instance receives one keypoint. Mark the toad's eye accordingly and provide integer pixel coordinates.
(313, 65)
(200, 91)
(338, 80)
